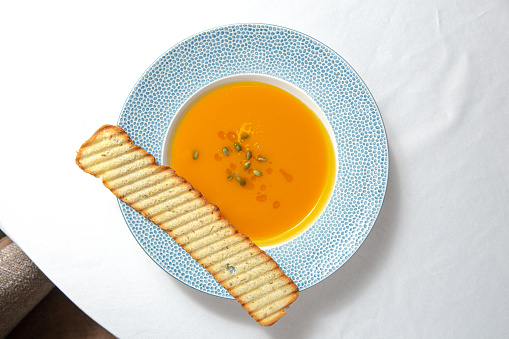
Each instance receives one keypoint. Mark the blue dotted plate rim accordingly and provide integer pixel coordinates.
(219, 290)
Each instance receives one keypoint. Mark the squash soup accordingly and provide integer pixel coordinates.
(259, 154)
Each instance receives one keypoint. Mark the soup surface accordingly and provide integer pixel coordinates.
(259, 154)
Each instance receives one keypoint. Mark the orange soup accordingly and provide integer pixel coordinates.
(259, 154)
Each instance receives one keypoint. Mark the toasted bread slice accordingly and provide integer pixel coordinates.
(157, 192)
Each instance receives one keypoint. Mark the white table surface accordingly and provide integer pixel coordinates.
(435, 263)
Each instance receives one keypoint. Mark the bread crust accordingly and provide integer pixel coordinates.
(110, 153)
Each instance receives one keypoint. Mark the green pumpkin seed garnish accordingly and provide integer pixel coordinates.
(261, 159)
(230, 176)
(244, 136)
(257, 173)
(241, 181)
(247, 165)
(238, 148)
(226, 151)
(249, 155)
(195, 154)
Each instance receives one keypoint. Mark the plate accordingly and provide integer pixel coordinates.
(358, 131)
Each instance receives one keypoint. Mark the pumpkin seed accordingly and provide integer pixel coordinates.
(249, 155)
(238, 148)
(226, 151)
(195, 154)
(257, 173)
(261, 159)
(247, 165)
(241, 181)
(244, 136)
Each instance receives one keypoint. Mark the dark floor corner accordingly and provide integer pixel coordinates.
(57, 317)
(54, 317)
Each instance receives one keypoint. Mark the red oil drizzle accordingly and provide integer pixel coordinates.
(232, 136)
(287, 176)
(261, 198)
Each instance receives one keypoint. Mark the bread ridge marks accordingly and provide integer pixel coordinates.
(101, 134)
(158, 193)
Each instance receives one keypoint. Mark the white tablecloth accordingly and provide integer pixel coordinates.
(435, 264)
